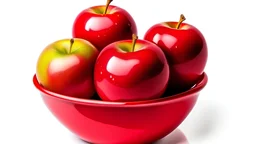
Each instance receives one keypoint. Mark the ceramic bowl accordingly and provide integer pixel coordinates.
(102, 122)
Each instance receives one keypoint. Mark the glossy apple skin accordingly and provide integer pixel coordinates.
(68, 73)
(185, 50)
(103, 29)
(131, 76)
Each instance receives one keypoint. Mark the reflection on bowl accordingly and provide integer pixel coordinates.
(103, 122)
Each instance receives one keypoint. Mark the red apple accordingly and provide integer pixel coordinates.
(66, 67)
(102, 25)
(185, 49)
(131, 70)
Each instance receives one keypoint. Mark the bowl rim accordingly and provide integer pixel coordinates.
(195, 89)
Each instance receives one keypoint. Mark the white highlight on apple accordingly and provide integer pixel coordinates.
(166, 38)
(117, 66)
(95, 24)
(62, 64)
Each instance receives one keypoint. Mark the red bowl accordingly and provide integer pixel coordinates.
(103, 122)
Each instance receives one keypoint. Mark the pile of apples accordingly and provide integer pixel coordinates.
(105, 58)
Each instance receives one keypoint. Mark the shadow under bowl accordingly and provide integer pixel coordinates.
(103, 122)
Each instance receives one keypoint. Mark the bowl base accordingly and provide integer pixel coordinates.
(174, 137)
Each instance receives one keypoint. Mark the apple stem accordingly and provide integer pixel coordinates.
(182, 18)
(71, 44)
(134, 39)
(108, 3)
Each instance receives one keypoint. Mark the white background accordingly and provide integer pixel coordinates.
(225, 109)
